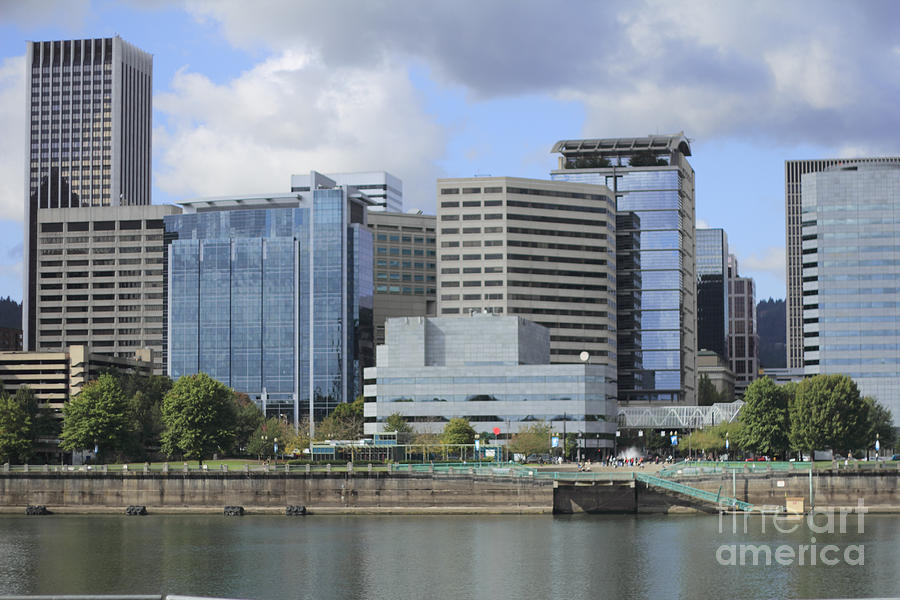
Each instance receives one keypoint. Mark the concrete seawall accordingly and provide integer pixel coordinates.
(380, 492)
(356, 492)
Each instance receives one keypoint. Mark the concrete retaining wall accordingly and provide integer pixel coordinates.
(417, 491)
(215, 490)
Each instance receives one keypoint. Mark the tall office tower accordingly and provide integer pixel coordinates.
(88, 103)
(851, 302)
(384, 190)
(99, 279)
(272, 295)
(743, 337)
(793, 173)
(542, 250)
(405, 266)
(653, 184)
(712, 291)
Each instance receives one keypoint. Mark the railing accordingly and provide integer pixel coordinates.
(686, 490)
(717, 467)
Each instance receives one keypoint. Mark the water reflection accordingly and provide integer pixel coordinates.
(575, 557)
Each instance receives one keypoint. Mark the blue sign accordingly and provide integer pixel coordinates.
(276, 448)
(674, 440)
(727, 444)
(477, 444)
(877, 445)
(554, 441)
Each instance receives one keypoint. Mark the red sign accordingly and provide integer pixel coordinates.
(496, 431)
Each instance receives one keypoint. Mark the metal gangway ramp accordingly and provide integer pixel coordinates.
(723, 502)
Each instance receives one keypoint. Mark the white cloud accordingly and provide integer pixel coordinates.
(771, 261)
(290, 114)
(702, 224)
(69, 14)
(763, 70)
(12, 140)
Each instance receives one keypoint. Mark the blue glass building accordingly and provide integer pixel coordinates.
(655, 258)
(850, 252)
(272, 295)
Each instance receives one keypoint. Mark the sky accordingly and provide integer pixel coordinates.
(247, 93)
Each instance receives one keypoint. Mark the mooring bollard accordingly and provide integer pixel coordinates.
(25, 467)
(328, 468)
(146, 467)
(224, 468)
(287, 468)
(308, 468)
(246, 468)
(370, 467)
(390, 467)
(46, 468)
(349, 466)
(165, 467)
(6, 467)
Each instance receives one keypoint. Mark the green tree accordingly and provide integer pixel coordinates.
(97, 417)
(458, 431)
(15, 429)
(344, 423)
(396, 422)
(533, 439)
(145, 395)
(707, 394)
(704, 440)
(765, 424)
(828, 413)
(248, 419)
(880, 424)
(43, 423)
(262, 440)
(200, 417)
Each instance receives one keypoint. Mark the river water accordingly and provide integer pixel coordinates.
(465, 557)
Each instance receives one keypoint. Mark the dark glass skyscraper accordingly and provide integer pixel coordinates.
(712, 291)
(273, 296)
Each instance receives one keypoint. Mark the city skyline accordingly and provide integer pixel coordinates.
(440, 93)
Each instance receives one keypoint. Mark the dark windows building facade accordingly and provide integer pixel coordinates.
(712, 291)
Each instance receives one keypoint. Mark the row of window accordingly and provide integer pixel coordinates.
(102, 262)
(120, 319)
(396, 289)
(102, 225)
(468, 230)
(404, 251)
(405, 264)
(456, 297)
(404, 277)
(406, 239)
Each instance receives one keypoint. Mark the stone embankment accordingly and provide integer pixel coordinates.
(458, 492)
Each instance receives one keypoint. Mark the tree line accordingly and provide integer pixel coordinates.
(825, 412)
(123, 417)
